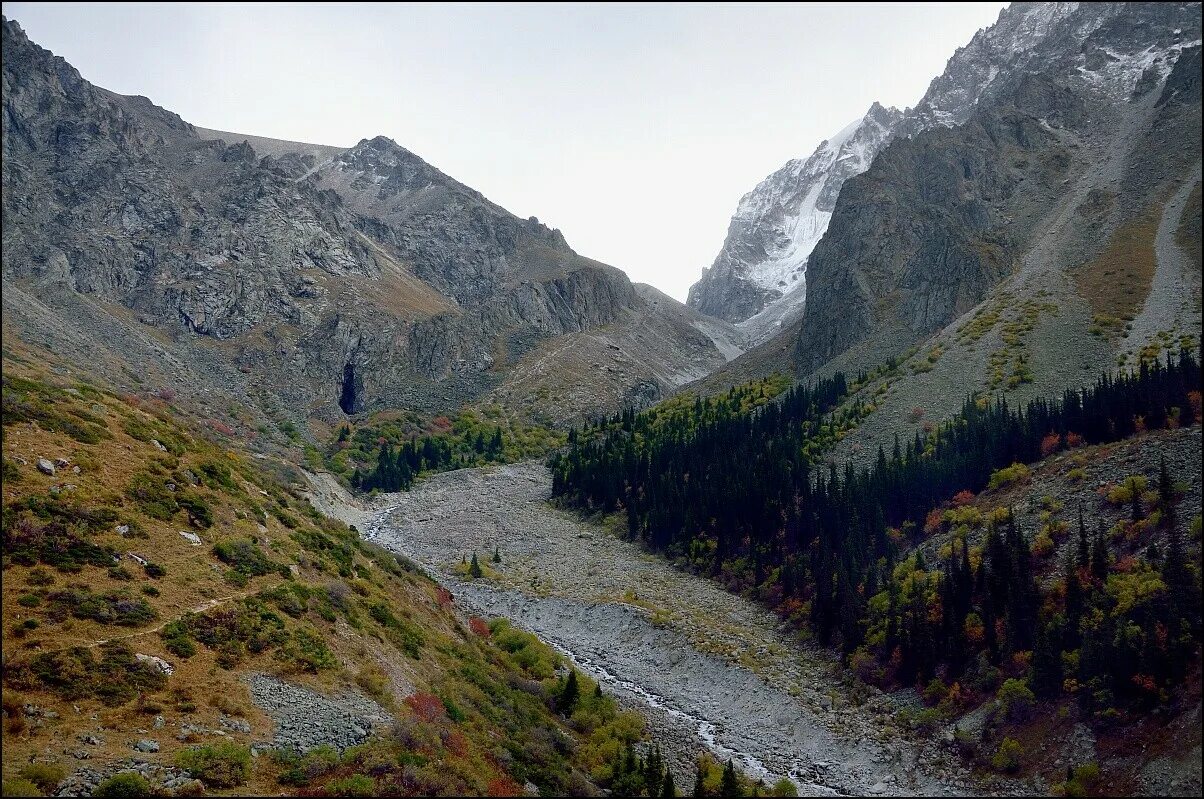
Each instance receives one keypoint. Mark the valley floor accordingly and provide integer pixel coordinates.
(703, 665)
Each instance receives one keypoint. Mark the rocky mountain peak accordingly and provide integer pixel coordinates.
(1111, 50)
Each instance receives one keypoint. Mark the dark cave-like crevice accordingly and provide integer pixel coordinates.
(349, 396)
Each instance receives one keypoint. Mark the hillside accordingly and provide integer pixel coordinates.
(171, 601)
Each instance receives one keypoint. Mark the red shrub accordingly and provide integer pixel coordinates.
(1073, 440)
(441, 422)
(916, 414)
(1193, 397)
(1050, 444)
(427, 707)
(221, 427)
(444, 596)
(479, 627)
(166, 394)
(932, 523)
(962, 498)
(1139, 424)
(503, 786)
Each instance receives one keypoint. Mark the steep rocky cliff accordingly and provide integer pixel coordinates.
(759, 279)
(331, 281)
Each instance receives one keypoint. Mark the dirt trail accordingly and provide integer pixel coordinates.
(704, 666)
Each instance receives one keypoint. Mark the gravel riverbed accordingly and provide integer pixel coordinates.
(705, 667)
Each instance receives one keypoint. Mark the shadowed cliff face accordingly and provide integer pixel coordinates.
(290, 268)
(937, 221)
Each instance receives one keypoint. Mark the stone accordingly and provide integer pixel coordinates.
(122, 529)
(45, 467)
(62, 463)
(191, 538)
(158, 446)
(158, 663)
(146, 745)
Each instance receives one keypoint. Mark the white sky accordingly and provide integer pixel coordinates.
(635, 129)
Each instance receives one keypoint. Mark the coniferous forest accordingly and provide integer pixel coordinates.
(733, 486)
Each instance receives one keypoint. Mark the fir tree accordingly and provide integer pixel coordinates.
(497, 554)
(730, 786)
(668, 789)
(699, 786)
(474, 568)
(571, 693)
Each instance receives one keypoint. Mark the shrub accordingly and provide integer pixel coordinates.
(125, 784)
(307, 651)
(20, 787)
(355, 785)
(46, 776)
(154, 570)
(115, 607)
(120, 573)
(151, 496)
(1008, 757)
(49, 531)
(375, 682)
(39, 577)
(199, 512)
(1082, 781)
(243, 556)
(76, 674)
(1015, 698)
(300, 770)
(1010, 475)
(221, 765)
(784, 787)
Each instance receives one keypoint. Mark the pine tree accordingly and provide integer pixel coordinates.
(1099, 554)
(1084, 553)
(497, 554)
(1046, 665)
(570, 694)
(474, 568)
(668, 789)
(730, 786)
(1166, 494)
(699, 787)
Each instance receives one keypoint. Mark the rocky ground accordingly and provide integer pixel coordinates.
(705, 667)
(305, 719)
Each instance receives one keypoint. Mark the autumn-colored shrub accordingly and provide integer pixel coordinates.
(1050, 444)
(427, 707)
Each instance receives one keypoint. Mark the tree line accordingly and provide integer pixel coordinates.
(740, 494)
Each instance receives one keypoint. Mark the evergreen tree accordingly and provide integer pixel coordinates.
(497, 554)
(1084, 553)
(1099, 554)
(570, 695)
(1046, 665)
(730, 786)
(699, 786)
(474, 568)
(668, 789)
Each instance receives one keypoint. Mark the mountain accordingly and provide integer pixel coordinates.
(759, 277)
(319, 281)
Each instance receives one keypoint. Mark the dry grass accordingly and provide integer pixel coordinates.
(1118, 280)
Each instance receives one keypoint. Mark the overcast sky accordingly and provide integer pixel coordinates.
(634, 129)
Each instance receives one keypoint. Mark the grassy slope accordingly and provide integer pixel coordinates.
(324, 633)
